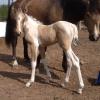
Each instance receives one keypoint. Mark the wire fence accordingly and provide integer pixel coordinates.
(4, 5)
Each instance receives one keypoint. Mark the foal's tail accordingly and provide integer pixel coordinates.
(75, 36)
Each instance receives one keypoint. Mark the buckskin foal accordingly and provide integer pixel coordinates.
(40, 36)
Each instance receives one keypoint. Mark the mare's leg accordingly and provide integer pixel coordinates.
(43, 60)
(14, 43)
(34, 53)
(26, 57)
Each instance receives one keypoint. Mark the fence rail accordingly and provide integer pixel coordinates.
(4, 9)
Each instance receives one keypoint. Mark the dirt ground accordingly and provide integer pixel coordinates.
(12, 80)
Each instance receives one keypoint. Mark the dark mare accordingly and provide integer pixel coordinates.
(49, 11)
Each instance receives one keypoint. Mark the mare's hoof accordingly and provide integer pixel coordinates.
(14, 63)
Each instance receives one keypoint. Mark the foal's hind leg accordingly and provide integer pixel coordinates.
(64, 63)
(39, 58)
(43, 60)
(68, 71)
(25, 44)
(76, 63)
(73, 60)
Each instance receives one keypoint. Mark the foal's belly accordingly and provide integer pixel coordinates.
(47, 35)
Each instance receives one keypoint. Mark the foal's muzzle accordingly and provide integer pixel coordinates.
(18, 33)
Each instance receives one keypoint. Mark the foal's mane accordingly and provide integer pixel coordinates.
(34, 19)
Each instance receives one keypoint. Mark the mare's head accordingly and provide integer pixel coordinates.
(92, 20)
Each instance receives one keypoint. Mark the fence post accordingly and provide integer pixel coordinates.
(8, 3)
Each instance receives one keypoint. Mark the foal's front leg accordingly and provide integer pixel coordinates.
(34, 53)
(33, 64)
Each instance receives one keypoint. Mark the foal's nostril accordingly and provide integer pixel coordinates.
(19, 33)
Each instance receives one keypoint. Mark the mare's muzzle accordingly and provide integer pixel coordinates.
(93, 37)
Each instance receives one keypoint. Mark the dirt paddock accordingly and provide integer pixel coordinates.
(12, 80)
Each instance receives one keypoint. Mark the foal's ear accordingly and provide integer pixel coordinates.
(19, 9)
(25, 11)
(12, 8)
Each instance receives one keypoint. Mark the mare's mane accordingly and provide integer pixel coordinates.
(94, 6)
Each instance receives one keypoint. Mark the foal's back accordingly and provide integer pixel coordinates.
(65, 27)
(61, 31)
(65, 32)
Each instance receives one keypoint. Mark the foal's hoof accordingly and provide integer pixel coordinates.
(82, 62)
(28, 84)
(79, 91)
(62, 85)
(27, 60)
(47, 81)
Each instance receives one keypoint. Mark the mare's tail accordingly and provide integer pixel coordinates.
(10, 35)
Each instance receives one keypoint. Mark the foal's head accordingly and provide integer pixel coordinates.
(20, 17)
(23, 20)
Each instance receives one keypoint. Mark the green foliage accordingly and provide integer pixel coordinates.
(3, 12)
